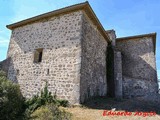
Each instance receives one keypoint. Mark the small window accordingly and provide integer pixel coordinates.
(47, 71)
(38, 55)
(17, 72)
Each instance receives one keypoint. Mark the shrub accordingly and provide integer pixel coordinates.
(63, 103)
(43, 99)
(50, 112)
(11, 99)
(14, 107)
(42, 113)
(38, 101)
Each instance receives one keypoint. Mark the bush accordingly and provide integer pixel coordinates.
(38, 101)
(14, 107)
(50, 112)
(63, 103)
(11, 99)
(42, 113)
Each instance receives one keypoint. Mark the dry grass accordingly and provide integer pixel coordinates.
(93, 109)
(80, 113)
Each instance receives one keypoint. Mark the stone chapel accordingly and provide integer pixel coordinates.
(71, 51)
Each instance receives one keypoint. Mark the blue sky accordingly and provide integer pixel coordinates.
(127, 17)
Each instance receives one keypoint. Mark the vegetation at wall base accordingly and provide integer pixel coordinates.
(13, 105)
(50, 112)
(44, 100)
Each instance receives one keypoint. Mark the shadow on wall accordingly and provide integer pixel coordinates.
(138, 67)
(139, 77)
(138, 59)
(4, 65)
(7, 64)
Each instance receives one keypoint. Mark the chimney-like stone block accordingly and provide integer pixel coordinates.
(112, 36)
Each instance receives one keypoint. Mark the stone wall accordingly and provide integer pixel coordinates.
(111, 64)
(59, 37)
(112, 36)
(138, 64)
(118, 74)
(137, 87)
(93, 69)
(4, 65)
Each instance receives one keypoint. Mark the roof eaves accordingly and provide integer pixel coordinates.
(49, 14)
(153, 35)
(97, 22)
(81, 6)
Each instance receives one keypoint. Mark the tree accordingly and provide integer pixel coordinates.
(11, 99)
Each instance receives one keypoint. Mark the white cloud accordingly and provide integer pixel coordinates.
(4, 42)
(158, 72)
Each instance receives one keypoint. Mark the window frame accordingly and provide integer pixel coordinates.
(38, 55)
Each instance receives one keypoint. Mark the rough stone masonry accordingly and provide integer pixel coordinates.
(67, 48)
